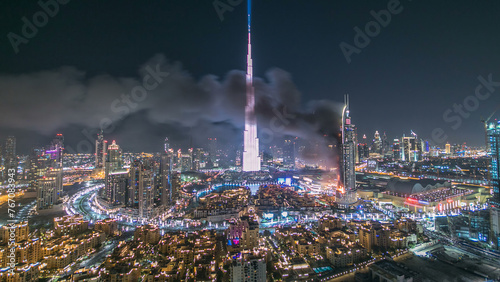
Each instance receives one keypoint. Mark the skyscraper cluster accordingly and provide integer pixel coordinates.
(45, 172)
(148, 186)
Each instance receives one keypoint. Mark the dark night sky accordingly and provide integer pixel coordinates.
(427, 59)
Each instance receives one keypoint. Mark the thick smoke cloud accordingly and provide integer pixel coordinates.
(67, 97)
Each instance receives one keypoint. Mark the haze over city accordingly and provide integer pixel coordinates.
(85, 57)
(264, 140)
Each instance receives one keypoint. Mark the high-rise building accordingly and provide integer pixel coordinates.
(396, 149)
(347, 193)
(100, 151)
(114, 154)
(141, 188)
(494, 142)
(116, 189)
(363, 149)
(146, 193)
(114, 175)
(186, 162)
(377, 143)
(133, 184)
(356, 151)
(409, 152)
(448, 149)
(166, 175)
(58, 146)
(45, 172)
(47, 190)
(251, 158)
(36, 167)
(198, 159)
(55, 152)
(10, 157)
(385, 144)
(289, 153)
(212, 151)
(166, 145)
(493, 132)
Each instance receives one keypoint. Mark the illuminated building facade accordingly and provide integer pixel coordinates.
(448, 149)
(363, 149)
(377, 143)
(347, 193)
(46, 172)
(46, 191)
(251, 158)
(410, 149)
(146, 193)
(100, 151)
(494, 144)
(289, 154)
(115, 176)
(10, 158)
(116, 187)
(396, 149)
(56, 155)
(114, 155)
(166, 164)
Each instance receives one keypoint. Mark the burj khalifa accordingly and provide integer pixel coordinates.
(251, 158)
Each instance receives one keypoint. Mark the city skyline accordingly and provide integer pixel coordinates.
(138, 144)
(375, 106)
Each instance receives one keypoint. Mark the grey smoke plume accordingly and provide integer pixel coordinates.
(51, 100)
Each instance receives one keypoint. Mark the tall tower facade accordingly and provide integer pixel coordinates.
(10, 159)
(347, 195)
(146, 193)
(115, 177)
(55, 151)
(377, 143)
(100, 151)
(166, 175)
(251, 158)
(408, 150)
(494, 146)
(289, 153)
(396, 150)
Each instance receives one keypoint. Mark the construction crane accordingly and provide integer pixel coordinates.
(485, 122)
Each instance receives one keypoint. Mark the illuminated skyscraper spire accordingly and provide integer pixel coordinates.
(251, 159)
